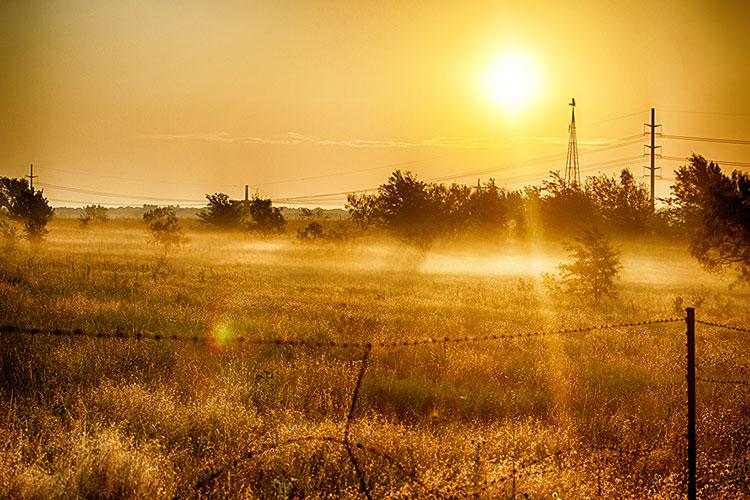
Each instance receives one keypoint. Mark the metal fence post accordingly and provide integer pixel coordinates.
(690, 320)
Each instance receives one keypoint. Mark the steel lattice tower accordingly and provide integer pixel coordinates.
(572, 170)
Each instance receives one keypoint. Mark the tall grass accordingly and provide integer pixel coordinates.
(113, 418)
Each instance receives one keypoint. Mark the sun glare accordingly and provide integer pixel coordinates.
(511, 81)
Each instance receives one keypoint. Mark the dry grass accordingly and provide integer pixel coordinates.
(126, 419)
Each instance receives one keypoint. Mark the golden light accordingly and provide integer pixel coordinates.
(511, 81)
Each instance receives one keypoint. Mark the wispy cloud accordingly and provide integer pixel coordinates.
(449, 142)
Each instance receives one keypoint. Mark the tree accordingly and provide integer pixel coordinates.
(623, 206)
(563, 208)
(222, 212)
(19, 202)
(93, 214)
(262, 216)
(714, 209)
(164, 229)
(594, 267)
(257, 214)
(406, 207)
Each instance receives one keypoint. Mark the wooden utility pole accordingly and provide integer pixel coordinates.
(31, 176)
(653, 147)
(692, 456)
(247, 192)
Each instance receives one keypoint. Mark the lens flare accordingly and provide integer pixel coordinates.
(222, 333)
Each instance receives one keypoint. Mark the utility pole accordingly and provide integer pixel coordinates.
(31, 176)
(653, 147)
(246, 192)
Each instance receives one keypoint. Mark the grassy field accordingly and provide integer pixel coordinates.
(112, 418)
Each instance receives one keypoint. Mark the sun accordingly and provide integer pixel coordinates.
(511, 81)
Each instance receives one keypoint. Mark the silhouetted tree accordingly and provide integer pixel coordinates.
(623, 206)
(714, 209)
(594, 267)
(563, 208)
(19, 202)
(404, 206)
(222, 212)
(164, 229)
(492, 209)
(260, 215)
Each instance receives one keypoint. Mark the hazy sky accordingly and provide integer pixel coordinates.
(175, 99)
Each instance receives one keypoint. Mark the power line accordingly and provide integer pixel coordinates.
(369, 169)
(719, 162)
(117, 195)
(625, 141)
(134, 179)
(718, 113)
(720, 140)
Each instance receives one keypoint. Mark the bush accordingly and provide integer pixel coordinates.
(164, 229)
(93, 213)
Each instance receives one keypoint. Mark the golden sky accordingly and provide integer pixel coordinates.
(172, 100)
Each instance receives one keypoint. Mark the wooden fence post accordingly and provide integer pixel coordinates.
(690, 320)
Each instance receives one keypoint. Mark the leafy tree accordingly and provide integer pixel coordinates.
(262, 216)
(222, 212)
(714, 209)
(491, 209)
(19, 202)
(408, 208)
(563, 208)
(93, 214)
(164, 229)
(257, 214)
(623, 206)
(594, 267)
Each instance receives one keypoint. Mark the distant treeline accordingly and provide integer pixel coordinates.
(706, 206)
(420, 212)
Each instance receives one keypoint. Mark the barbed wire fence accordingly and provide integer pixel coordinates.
(537, 466)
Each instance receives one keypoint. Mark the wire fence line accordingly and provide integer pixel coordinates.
(353, 448)
(723, 325)
(241, 339)
(723, 381)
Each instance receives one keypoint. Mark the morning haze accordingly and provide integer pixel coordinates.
(323, 249)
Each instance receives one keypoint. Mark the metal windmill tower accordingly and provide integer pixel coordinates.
(572, 169)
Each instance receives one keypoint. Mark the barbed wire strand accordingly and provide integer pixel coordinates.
(524, 468)
(723, 325)
(12, 329)
(722, 381)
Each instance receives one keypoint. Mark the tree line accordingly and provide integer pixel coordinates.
(707, 206)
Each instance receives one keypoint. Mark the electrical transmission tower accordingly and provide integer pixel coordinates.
(572, 169)
(653, 147)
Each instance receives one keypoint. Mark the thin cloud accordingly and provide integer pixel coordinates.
(448, 142)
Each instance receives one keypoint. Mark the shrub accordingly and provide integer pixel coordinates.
(164, 229)
(93, 214)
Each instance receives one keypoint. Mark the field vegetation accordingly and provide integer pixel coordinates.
(573, 415)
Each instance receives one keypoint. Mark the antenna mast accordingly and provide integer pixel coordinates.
(572, 169)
